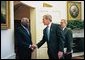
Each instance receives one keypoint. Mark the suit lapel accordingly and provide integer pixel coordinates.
(51, 30)
(65, 31)
(45, 32)
(51, 27)
(24, 32)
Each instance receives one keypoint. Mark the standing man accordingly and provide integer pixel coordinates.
(52, 34)
(68, 39)
(23, 40)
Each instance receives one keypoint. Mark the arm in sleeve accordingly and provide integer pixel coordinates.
(39, 44)
(69, 41)
(19, 40)
(60, 39)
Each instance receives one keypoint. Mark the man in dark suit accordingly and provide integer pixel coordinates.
(68, 39)
(23, 40)
(52, 34)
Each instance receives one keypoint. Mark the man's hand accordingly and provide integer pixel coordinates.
(33, 47)
(60, 54)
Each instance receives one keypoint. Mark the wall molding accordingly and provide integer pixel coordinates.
(11, 56)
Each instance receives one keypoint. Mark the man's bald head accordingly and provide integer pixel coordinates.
(63, 23)
(25, 22)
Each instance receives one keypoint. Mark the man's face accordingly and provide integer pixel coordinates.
(46, 21)
(25, 22)
(62, 23)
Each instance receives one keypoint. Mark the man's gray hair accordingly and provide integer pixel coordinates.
(65, 21)
(47, 16)
(24, 18)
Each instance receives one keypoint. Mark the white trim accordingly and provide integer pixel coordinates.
(11, 56)
(77, 54)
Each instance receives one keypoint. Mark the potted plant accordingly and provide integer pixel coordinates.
(75, 24)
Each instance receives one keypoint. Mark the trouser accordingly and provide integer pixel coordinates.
(24, 54)
(54, 56)
(50, 57)
(68, 56)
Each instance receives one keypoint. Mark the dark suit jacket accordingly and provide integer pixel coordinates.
(23, 39)
(68, 39)
(55, 42)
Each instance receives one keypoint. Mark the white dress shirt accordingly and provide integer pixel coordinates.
(26, 29)
(48, 30)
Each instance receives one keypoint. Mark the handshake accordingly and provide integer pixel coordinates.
(33, 47)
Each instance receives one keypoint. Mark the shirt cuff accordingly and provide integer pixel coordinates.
(30, 46)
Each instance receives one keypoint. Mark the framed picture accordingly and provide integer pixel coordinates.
(5, 14)
(73, 10)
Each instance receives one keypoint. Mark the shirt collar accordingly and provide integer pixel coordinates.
(23, 27)
(50, 24)
(64, 27)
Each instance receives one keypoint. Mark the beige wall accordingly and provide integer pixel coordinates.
(33, 29)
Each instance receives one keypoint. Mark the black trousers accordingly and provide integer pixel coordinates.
(23, 54)
(54, 56)
(68, 56)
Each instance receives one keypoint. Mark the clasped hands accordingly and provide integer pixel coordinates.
(33, 47)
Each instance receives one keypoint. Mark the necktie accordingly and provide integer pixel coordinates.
(27, 31)
(48, 32)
